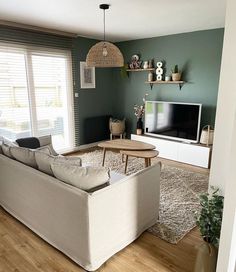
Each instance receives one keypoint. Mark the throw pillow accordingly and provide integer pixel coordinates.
(84, 178)
(44, 161)
(29, 142)
(45, 149)
(24, 155)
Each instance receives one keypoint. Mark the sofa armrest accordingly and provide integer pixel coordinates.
(119, 213)
(47, 140)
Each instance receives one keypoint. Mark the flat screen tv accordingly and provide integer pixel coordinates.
(177, 121)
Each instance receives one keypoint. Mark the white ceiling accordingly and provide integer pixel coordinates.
(125, 20)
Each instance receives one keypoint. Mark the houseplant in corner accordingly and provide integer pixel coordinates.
(176, 74)
(209, 222)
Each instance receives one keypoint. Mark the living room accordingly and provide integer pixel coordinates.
(42, 51)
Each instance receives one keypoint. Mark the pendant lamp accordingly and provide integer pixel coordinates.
(104, 54)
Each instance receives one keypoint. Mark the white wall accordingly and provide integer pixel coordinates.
(223, 170)
(227, 251)
(226, 102)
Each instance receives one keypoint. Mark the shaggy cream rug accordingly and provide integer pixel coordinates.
(179, 198)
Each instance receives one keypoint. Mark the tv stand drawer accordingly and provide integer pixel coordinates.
(178, 151)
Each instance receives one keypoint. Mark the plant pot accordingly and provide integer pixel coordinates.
(116, 126)
(176, 76)
(206, 258)
(139, 130)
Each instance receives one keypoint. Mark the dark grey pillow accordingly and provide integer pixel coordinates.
(29, 142)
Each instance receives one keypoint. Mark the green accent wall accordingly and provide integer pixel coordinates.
(91, 102)
(198, 55)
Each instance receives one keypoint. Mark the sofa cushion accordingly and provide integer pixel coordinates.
(5, 146)
(29, 142)
(45, 149)
(6, 151)
(84, 178)
(24, 155)
(44, 161)
(1, 143)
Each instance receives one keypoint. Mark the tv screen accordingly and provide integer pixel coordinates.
(173, 120)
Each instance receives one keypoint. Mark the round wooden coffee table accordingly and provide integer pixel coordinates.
(147, 155)
(124, 144)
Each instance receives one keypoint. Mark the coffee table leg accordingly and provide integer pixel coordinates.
(122, 158)
(104, 155)
(126, 163)
(146, 162)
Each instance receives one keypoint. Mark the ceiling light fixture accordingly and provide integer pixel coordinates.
(104, 54)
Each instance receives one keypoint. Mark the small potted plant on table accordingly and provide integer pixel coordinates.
(209, 222)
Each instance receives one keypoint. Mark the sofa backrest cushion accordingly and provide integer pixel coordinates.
(29, 142)
(84, 178)
(24, 155)
(5, 145)
(1, 143)
(6, 151)
(45, 149)
(44, 161)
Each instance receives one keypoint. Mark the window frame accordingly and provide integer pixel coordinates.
(32, 50)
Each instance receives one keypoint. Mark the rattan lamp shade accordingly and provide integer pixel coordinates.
(97, 58)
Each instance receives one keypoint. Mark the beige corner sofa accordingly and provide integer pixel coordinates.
(87, 227)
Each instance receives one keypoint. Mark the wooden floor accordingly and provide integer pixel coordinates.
(23, 251)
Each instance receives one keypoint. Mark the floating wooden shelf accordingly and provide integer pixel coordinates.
(140, 70)
(180, 83)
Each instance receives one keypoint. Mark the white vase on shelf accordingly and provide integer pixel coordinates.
(145, 65)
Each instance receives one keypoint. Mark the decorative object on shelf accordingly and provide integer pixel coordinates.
(135, 62)
(104, 54)
(159, 64)
(209, 222)
(87, 76)
(176, 74)
(150, 76)
(145, 64)
(207, 135)
(150, 63)
(167, 78)
(159, 71)
(139, 112)
(117, 128)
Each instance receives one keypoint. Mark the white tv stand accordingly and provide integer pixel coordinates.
(194, 154)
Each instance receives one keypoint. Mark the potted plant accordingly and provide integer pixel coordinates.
(209, 222)
(176, 74)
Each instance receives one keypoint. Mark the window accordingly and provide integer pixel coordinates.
(36, 94)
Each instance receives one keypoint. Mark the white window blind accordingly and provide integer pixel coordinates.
(36, 94)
